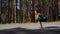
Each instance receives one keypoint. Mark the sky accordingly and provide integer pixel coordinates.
(18, 4)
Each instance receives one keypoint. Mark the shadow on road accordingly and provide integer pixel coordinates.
(27, 31)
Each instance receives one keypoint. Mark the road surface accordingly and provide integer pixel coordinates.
(33, 28)
(27, 31)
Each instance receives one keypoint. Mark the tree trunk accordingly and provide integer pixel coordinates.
(28, 9)
(0, 9)
(21, 11)
(54, 9)
(33, 13)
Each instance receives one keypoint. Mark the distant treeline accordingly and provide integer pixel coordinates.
(22, 11)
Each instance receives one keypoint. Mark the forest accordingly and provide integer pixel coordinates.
(22, 11)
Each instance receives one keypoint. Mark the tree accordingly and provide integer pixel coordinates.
(28, 9)
(32, 12)
(21, 11)
(54, 9)
(0, 9)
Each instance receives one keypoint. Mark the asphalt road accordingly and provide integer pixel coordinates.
(30, 29)
(27, 31)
